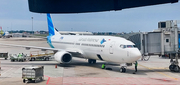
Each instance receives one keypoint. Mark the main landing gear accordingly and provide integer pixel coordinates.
(174, 64)
(91, 61)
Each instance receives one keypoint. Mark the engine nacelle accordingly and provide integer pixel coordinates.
(63, 57)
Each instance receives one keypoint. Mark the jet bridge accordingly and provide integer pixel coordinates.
(163, 42)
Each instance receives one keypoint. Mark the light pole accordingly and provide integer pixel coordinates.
(32, 25)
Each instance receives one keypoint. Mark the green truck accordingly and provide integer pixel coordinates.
(15, 57)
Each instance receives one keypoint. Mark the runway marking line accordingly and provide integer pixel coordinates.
(160, 72)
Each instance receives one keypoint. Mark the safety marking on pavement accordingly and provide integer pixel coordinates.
(159, 72)
(48, 79)
(6, 71)
(110, 81)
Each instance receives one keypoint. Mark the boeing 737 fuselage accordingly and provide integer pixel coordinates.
(105, 48)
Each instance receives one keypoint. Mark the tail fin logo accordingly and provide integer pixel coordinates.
(61, 38)
(50, 25)
(102, 41)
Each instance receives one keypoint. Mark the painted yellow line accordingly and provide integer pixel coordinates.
(159, 68)
(167, 75)
(160, 72)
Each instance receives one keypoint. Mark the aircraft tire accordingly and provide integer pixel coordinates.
(24, 81)
(122, 70)
(171, 67)
(176, 68)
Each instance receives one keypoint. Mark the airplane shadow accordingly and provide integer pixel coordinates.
(111, 66)
(114, 67)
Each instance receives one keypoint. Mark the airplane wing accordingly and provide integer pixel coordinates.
(42, 48)
(83, 6)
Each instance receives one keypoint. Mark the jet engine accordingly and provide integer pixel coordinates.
(63, 57)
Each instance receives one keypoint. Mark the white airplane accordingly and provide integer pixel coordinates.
(106, 48)
(5, 34)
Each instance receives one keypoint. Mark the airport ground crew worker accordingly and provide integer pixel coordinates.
(136, 64)
(20, 55)
(103, 66)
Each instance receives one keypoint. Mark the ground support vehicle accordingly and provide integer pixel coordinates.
(32, 74)
(36, 55)
(4, 55)
(15, 57)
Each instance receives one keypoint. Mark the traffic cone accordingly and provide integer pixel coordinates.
(56, 66)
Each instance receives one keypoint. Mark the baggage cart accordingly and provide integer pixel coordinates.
(32, 74)
(4, 55)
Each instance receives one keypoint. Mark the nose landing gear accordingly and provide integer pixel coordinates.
(91, 61)
(174, 64)
(122, 69)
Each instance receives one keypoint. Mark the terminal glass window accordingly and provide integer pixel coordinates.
(163, 24)
(167, 40)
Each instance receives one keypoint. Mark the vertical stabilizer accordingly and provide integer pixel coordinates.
(2, 32)
(51, 29)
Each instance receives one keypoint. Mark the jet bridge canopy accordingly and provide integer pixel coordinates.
(82, 6)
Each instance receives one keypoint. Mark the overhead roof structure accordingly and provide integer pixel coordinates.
(83, 6)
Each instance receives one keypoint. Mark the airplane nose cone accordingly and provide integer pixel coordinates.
(135, 54)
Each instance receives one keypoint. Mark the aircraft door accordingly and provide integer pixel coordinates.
(111, 47)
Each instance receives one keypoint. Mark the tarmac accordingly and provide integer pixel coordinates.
(79, 72)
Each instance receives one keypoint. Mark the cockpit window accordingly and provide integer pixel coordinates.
(127, 46)
(134, 46)
(123, 46)
(130, 46)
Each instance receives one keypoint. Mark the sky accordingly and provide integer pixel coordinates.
(15, 15)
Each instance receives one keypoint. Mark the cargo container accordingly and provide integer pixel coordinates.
(32, 74)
